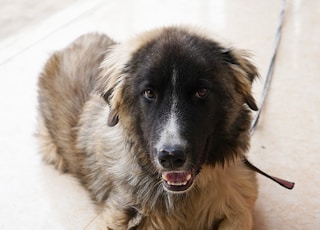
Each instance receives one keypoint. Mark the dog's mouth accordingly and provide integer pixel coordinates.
(178, 182)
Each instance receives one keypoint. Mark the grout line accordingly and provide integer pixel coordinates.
(26, 39)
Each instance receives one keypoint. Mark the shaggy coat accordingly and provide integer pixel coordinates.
(155, 128)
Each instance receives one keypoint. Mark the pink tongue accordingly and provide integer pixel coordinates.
(176, 177)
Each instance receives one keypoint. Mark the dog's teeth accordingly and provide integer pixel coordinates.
(164, 176)
(177, 184)
(171, 182)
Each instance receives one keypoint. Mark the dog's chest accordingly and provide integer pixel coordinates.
(202, 208)
(198, 213)
(217, 194)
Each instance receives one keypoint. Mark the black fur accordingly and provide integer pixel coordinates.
(200, 63)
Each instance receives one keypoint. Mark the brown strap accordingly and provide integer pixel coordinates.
(284, 183)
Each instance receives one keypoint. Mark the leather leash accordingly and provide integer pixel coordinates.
(284, 183)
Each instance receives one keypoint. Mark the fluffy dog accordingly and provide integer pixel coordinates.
(155, 128)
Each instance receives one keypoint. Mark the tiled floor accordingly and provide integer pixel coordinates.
(287, 142)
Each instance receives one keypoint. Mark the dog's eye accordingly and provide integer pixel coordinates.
(149, 94)
(201, 93)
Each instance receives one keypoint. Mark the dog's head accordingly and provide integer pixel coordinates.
(185, 99)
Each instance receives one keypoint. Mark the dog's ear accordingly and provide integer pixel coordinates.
(109, 85)
(113, 117)
(245, 73)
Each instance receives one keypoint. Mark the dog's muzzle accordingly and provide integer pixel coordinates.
(175, 177)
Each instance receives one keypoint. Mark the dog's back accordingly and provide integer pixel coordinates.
(64, 86)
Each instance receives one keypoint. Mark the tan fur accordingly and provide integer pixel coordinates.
(230, 206)
(74, 136)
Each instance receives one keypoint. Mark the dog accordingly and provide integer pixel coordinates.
(155, 128)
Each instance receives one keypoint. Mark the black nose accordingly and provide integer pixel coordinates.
(172, 157)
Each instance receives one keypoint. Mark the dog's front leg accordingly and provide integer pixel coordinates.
(121, 219)
(242, 222)
(120, 214)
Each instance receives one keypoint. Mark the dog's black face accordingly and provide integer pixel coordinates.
(184, 100)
